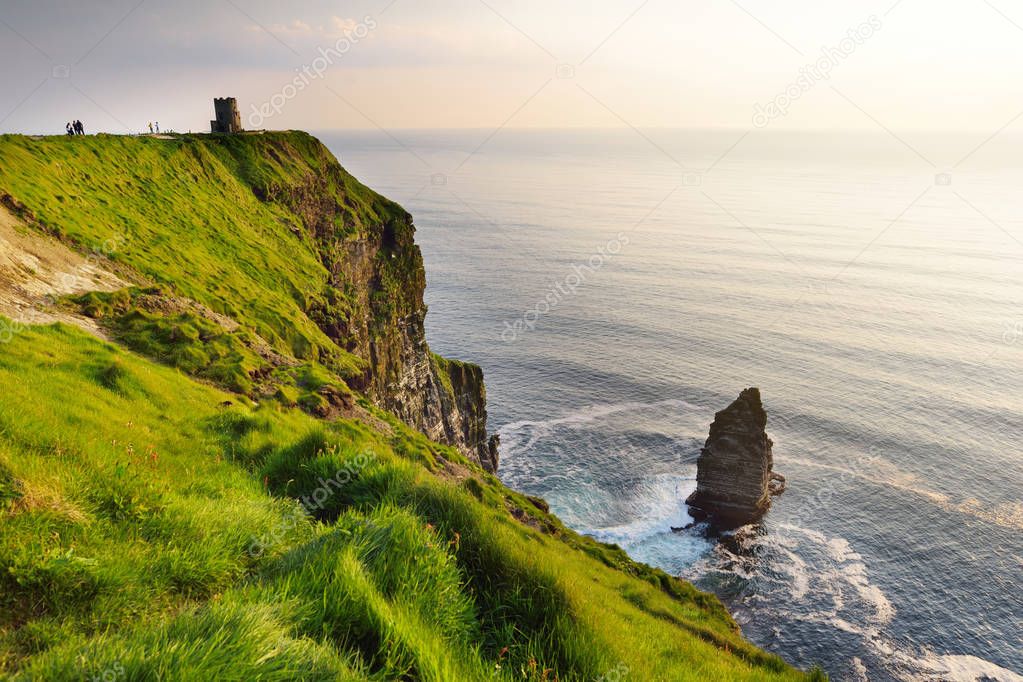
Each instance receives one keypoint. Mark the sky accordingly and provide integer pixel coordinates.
(900, 65)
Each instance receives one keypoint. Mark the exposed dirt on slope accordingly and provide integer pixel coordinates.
(36, 269)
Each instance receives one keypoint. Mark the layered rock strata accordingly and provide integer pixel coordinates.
(734, 480)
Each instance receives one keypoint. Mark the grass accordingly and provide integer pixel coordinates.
(149, 526)
(184, 339)
(202, 347)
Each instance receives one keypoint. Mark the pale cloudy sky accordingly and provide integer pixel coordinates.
(915, 65)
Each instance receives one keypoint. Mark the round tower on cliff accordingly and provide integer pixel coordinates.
(228, 120)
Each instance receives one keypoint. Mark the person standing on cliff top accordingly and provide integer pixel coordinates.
(68, 128)
(79, 128)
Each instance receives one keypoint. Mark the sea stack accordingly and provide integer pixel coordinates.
(734, 480)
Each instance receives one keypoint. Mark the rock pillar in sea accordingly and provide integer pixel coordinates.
(734, 479)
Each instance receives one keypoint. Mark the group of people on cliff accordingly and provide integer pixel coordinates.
(75, 128)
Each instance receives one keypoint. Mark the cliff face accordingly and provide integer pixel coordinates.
(373, 307)
(734, 471)
(462, 395)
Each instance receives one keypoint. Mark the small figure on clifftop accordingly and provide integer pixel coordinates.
(70, 131)
(79, 128)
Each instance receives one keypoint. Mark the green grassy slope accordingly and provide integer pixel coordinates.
(184, 212)
(149, 526)
(156, 525)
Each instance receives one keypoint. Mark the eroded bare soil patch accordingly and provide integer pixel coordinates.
(36, 269)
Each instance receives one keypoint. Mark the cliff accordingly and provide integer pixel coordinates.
(365, 298)
(366, 243)
(227, 452)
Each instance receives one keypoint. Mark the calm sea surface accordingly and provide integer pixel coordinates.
(617, 293)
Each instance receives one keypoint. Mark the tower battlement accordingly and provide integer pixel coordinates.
(228, 120)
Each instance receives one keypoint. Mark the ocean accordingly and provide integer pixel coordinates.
(620, 286)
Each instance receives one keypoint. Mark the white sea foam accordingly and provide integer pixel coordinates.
(860, 670)
(660, 506)
(831, 570)
(523, 435)
(930, 667)
(952, 668)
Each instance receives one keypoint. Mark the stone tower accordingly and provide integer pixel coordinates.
(228, 119)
